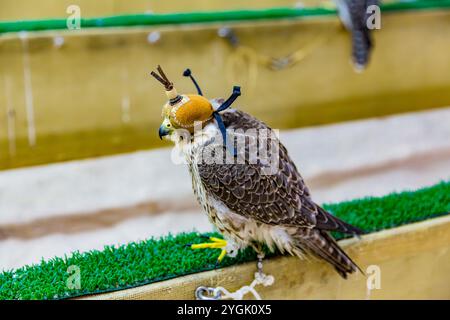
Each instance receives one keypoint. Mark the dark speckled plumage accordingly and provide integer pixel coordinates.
(279, 199)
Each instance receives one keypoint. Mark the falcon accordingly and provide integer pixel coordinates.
(354, 15)
(248, 185)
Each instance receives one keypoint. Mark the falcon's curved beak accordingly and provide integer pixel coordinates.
(163, 131)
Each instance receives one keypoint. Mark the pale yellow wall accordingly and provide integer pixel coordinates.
(30, 9)
(78, 88)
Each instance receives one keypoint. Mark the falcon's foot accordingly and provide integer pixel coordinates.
(217, 243)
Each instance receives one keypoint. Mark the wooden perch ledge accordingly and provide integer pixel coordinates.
(413, 262)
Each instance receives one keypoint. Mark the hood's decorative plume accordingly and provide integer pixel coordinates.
(171, 92)
(188, 73)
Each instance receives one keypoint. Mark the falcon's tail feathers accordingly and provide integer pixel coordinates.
(323, 246)
(326, 221)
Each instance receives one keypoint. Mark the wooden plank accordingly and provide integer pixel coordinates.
(93, 95)
(413, 260)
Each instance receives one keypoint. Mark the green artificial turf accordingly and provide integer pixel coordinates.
(154, 260)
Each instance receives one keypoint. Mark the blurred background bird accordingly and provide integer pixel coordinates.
(259, 198)
(354, 15)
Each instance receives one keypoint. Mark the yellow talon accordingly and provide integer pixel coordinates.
(217, 239)
(222, 255)
(216, 243)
